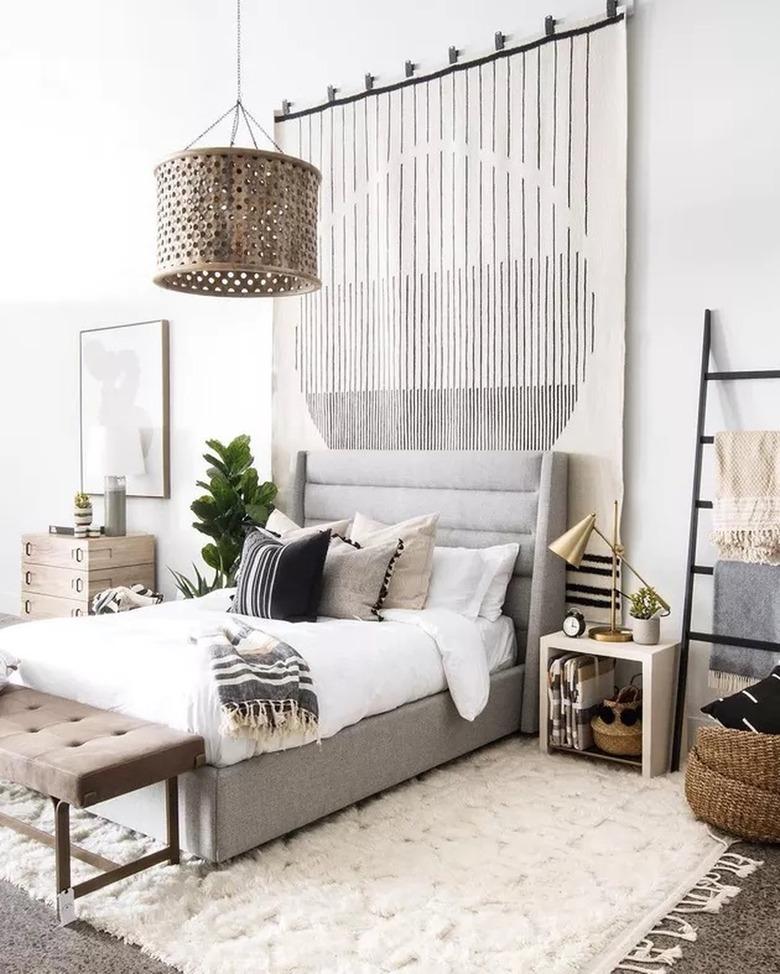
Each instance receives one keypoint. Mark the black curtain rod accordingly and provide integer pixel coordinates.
(551, 35)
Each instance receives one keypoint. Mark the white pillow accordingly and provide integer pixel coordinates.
(409, 585)
(500, 562)
(459, 581)
(288, 530)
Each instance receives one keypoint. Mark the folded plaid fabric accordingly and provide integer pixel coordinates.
(593, 679)
(555, 696)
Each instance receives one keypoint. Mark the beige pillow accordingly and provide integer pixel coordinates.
(288, 530)
(355, 580)
(409, 585)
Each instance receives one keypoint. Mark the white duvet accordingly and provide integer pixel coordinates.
(145, 664)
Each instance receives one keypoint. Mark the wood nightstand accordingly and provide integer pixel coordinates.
(659, 668)
(60, 573)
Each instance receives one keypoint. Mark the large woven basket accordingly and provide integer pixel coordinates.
(733, 782)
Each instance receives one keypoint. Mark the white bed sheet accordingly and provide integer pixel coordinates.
(500, 641)
(144, 664)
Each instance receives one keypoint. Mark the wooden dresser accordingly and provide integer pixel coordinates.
(61, 574)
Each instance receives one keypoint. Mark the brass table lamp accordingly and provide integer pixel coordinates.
(571, 547)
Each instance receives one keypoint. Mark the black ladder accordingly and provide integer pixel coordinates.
(697, 504)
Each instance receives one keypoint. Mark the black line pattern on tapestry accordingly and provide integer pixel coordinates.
(487, 346)
(583, 585)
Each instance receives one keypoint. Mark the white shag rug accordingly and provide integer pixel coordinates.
(504, 861)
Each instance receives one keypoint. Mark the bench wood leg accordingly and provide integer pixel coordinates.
(172, 819)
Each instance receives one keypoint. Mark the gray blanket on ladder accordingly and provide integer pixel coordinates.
(746, 604)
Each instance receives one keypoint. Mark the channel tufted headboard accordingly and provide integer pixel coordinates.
(483, 498)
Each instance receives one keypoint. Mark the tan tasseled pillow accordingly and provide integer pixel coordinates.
(409, 585)
(355, 580)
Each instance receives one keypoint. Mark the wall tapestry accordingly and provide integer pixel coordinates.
(124, 407)
(472, 253)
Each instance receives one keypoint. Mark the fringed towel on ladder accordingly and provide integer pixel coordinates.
(746, 603)
(746, 531)
(746, 512)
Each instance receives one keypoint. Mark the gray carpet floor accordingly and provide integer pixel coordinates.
(31, 942)
(743, 938)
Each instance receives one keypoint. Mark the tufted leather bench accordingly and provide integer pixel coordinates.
(80, 755)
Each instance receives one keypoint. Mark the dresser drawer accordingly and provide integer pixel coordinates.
(47, 607)
(86, 554)
(67, 584)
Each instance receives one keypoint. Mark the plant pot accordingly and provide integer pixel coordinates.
(82, 518)
(646, 631)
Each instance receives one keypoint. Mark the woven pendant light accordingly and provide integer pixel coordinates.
(237, 222)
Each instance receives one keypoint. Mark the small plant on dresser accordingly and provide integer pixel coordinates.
(82, 514)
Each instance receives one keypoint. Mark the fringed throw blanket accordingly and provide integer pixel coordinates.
(265, 687)
(122, 599)
(746, 512)
(746, 603)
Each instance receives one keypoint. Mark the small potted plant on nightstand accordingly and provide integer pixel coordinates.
(645, 607)
(82, 514)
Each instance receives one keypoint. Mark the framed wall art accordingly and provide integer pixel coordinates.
(124, 407)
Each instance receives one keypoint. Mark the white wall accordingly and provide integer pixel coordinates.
(93, 94)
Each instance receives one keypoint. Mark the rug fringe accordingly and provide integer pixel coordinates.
(709, 895)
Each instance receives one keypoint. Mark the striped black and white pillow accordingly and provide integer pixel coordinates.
(281, 580)
(755, 709)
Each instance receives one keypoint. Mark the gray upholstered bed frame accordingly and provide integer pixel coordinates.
(483, 499)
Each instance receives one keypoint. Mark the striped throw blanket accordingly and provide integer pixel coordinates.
(123, 598)
(265, 687)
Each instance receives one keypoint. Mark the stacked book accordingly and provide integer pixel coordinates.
(577, 685)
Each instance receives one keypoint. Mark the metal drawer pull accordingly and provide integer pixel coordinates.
(78, 554)
(27, 548)
(78, 584)
(27, 607)
(75, 612)
(28, 578)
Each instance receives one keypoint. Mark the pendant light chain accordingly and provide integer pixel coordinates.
(238, 109)
(237, 114)
(238, 52)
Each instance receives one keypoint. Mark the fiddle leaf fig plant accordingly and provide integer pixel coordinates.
(233, 502)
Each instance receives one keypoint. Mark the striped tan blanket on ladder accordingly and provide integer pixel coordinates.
(746, 513)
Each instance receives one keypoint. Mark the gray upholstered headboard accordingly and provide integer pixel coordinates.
(483, 498)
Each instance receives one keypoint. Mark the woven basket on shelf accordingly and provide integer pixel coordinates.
(617, 738)
(737, 807)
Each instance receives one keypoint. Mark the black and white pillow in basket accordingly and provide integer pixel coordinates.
(755, 709)
(281, 580)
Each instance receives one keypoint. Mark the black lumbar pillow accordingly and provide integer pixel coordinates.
(755, 709)
(279, 580)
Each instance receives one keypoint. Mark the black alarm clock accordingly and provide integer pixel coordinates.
(574, 623)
